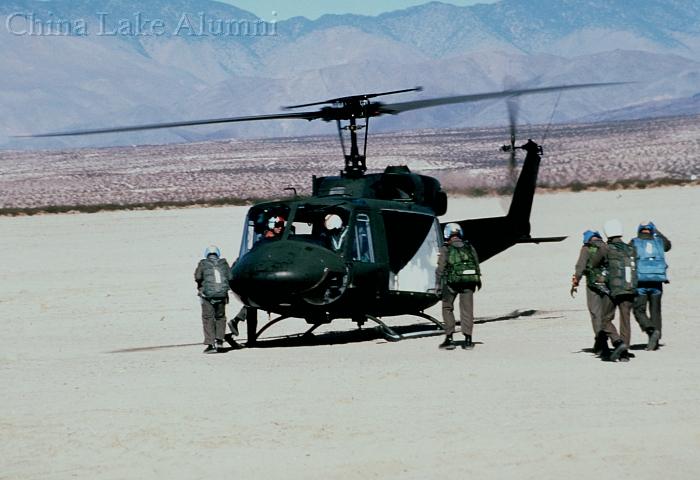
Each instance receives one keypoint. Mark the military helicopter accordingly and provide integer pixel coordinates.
(364, 246)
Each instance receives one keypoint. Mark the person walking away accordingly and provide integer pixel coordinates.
(600, 306)
(457, 276)
(650, 245)
(621, 281)
(212, 276)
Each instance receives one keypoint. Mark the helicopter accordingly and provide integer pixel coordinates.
(364, 246)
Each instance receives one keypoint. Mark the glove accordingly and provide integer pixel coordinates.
(574, 285)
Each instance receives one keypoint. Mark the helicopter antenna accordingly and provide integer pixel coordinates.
(364, 153)
(340, 134)
(551, 117)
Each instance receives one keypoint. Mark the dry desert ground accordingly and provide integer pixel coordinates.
(83, 297)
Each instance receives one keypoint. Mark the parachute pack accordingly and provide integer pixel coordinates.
(215, 277)
(461, 269)
(651, 262)
(622, 269)
(596, 277)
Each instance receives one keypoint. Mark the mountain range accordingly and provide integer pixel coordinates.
(118, 62)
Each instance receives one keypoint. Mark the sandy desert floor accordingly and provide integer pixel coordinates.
(83, 296)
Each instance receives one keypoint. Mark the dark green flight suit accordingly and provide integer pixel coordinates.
(623, 303)
(213, 305)
(600, 306)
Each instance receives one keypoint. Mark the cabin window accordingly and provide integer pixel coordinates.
(413, 241)
(363, 250)
(405, 233)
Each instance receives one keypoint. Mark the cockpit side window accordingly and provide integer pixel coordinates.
(363, 250)
(322, 226)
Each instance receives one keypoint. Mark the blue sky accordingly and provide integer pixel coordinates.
(315, 8)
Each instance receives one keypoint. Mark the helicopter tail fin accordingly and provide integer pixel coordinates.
(521, 203)
(492, 235)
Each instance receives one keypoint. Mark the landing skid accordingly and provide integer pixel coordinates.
(389, 333)
(392, 335)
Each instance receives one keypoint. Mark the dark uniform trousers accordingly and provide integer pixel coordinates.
(602, 311)
(213, 320)
(466, 309)
(648, 293)
(624, 305)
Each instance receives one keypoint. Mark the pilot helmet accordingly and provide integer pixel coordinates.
(276, 221)
(212, 250)
(613, 228)
(452, 229)
(333, 221)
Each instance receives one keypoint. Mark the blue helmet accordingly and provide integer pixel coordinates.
(647, 226)
(588, 234)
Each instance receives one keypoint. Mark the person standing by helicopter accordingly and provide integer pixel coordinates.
(620, 260)
(650, 245)
(600, 306)
(212, 276)
(457, 275)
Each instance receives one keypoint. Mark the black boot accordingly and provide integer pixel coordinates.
(448, 344)
(618, 352)
(600, 346)
(654, 338)
(467, 345)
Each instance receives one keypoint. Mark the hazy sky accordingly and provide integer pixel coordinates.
(315, 8)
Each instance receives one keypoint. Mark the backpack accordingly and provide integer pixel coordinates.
(651, 262)
(215, 276)
(596, 277)
(461, 269)
(622, 269)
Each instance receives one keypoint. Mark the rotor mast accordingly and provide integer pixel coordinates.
(355, 163)
(352, 114)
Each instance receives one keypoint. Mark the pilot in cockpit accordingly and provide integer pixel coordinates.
(334, 231)
(275, 227)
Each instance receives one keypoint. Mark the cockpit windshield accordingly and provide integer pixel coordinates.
(264, 223)
(324, 225)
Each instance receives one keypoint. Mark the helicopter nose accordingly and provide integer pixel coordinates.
(284, 272)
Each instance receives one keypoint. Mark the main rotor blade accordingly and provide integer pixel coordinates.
(372, 109)
(395, 108)
(355, 97)
(512, 103)
(153, 126)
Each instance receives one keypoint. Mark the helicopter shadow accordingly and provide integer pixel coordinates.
(407, 332)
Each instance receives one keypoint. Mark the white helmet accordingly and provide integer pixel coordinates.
(452, 229)
(212, 250)
(613, 228)
(333, 221)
